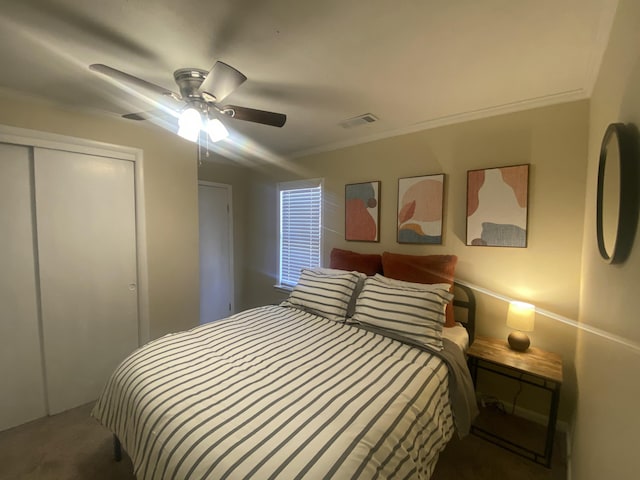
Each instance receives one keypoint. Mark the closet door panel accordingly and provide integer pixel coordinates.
(21, 379)
(85, 210)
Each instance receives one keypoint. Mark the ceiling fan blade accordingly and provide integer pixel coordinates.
(221, 81)
(130, 79)
(136, 116)
(157, 115)
(253, 115)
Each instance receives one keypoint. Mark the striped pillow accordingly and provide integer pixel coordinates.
(413, 310)
(325, 292)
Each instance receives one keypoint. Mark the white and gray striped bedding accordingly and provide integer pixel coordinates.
(277, 392)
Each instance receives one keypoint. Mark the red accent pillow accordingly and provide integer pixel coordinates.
(422, 269)
(369, 264)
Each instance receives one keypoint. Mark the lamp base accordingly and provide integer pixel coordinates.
(518, 341)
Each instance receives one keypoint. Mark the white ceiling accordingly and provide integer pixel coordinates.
(412, 63)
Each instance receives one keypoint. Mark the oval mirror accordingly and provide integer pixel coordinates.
(617, 196)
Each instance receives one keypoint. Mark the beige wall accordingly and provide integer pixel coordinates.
(547, 273)
(607, 420)
(170, 192)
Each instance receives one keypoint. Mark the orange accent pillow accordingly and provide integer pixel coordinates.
(422, 269)
(369, 264)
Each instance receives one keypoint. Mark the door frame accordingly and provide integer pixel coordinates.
(54, 141)
(229, 190)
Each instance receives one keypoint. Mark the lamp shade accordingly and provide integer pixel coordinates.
(521, 316)
(216, 130)
(189, 124)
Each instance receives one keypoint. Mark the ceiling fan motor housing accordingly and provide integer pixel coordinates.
(189, 81)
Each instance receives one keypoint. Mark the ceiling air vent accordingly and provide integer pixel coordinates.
(363, 119)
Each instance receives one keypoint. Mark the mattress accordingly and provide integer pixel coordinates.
(277, 392)
(458, 335)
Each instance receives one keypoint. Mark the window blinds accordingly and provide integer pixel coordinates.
(300, 229)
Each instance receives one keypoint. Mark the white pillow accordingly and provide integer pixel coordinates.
(325, 292)
(413, 310)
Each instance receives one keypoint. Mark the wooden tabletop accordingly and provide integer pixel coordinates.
(534, 361)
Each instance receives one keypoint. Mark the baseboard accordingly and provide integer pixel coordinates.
(530, 415)
(538, 418)
(535, 417)
(569, 451)
(561, 426)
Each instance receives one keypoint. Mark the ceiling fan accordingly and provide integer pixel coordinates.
(198, 105)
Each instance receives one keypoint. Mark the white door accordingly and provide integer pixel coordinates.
(216, 251)
(22, 395)
(85, 211)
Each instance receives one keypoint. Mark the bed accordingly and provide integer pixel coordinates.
(290, 391)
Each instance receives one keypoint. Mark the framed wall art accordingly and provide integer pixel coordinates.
(362, 211)
(497, 209)
(420, 209)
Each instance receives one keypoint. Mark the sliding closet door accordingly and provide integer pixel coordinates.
(85, 210)
(21, 389)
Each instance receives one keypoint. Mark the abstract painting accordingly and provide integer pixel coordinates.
(420, 209)
(497, 206)
(362, 211)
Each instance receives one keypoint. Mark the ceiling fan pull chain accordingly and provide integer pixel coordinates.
(207, 150)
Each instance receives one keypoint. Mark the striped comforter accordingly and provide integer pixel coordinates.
(276, 392)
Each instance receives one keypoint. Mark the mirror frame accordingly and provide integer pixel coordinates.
(626, 137)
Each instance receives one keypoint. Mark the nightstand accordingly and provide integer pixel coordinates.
(534, 367)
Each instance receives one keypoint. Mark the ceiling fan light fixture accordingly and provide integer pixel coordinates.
(216, 130)
(189, 124)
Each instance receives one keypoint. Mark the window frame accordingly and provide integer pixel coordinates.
(298, 185)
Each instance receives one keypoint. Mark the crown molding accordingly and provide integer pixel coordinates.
(527, 104)
(602, 36)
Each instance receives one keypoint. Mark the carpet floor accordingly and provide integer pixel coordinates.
(473, 458)
(68, 446)
(73, 446)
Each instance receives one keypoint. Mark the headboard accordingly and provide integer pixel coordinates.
(464, 302)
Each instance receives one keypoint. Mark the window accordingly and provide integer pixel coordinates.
(300, 243)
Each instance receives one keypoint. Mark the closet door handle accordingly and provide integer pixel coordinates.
(132, 286)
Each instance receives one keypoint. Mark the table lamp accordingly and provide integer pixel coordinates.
(521, 318)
